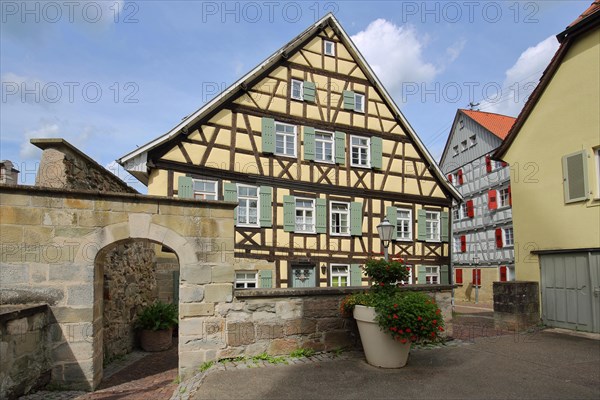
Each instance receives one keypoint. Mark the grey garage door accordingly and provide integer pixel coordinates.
(571, 290)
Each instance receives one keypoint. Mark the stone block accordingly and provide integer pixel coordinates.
(17, 326)
(283, 346)
(80, 295)
(38, 272)
(289, 309)
(28, 343)
(143, 208)
(59, 217)
(73, 352)
(322, 308)
(221, 213)
(315, 345)
(269, 331)
(37, 234)
(139, 225)
(101, 218)
(338, 339)
(196, 310)
(196, 274)
(240, 333)
(10, 199)
(329, 324)
(189, 362)
(16, 295)
(78, 203)
(70, 273)
(300, 327)
(46, 201)
(223, 274)
(72, 232)
(11, 235)
(218, 292)
(107, 205)
(14, 274)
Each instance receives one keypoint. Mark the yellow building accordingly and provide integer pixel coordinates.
(554, 153)
(316, 154)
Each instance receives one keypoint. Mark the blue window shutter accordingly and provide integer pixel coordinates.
(355, 275)
(266, 278)
(421, 227)
(421, 274)
(348, 99)
(185, 188)
(321, 206)
(309, 143)
(309, 91)
(268, 135)
(289, 213)
(230, 194)
(340, 148)
(376, 152)
(444, 275)
(444, 226)
(392, 216)
(266, 207)
(356, 218)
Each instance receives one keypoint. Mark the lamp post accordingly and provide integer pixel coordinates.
(385, 231)
(477, 278)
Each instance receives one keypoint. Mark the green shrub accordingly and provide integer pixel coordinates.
(157, 316)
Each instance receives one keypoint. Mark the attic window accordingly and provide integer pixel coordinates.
(463, 145)
(455, 151)
(472, 141)
(329, 47)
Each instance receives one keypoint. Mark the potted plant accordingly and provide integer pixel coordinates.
(390, 319)
(155, 324)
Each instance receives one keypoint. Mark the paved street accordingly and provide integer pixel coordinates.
(541, 365)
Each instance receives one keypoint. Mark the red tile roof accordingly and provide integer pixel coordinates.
(498, 124)
(591, 9)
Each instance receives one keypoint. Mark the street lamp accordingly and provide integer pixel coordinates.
(477, 278)
(385, 231)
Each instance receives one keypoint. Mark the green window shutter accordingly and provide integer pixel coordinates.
(289, 213)
(185, 187)
(444, 226)
(340, 148)
(444, 275)
(348, 99)
(309, 143)
(309, 91)
(321, 206)
(355, 275)
(230, 194)
(421, 274)
(376, 152)
(575, 179)
(266, 206)
(392, 215)
(266, 278)
(356, 218)
(421, 227)
(268, 135)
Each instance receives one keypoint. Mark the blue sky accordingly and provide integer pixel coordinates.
(112, 75)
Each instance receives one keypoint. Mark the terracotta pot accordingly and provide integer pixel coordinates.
(156, 340)
(381, 350)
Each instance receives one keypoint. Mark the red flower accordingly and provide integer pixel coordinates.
(419, 318)
(440, 329)
(395, 316)
(438, 311)
(403, 341)
(407, 330)
(381, 284)
(434, 322)
(400, 331)
(432, 334)
(413, 338)
(395, 305)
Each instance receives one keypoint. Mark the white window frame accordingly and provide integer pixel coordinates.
(410, 269)
(246, 281)
(503, 198)
(472, 140)
(301, 83)
(408, 221)
(506, 235)
(325, 43)
(463, 210)
(362, 102)
(286, 135)
(201, 194)
(322, 142)
(312, 209)
(436, 220)
(430, 272)
(463, 146)
(455, 150)
(456, 244)
(248, 198)
(331, 226)
(339, 275)
(456, 213)
(368, 151)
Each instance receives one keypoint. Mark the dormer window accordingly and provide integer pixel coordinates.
(329, 48)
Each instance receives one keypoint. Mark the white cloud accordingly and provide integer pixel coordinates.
(522, 78)
(454, 51)
(55, 128)
(29, 151)
(395, 53)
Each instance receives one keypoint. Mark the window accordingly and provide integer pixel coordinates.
(297, 89)
(340, 275)
(463, 145)
(329, 48)
(456, 244)
(324, 146)
(509, 238)
(409, 280)
(456, 213)
(432, 225)
(359, 102)
(285, 139)
(247, 210)
(463, 210)
(503, 198)
(472, 141)
(359, 152)
(340, 218)
(455, 151)
(575, 177)
(205, 190)
(245, 280)
(404, 224)
(432, 275)
(305, 215)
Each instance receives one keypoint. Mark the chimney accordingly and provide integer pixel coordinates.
(9, 175)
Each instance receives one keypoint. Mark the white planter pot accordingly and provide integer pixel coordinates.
(381, 350)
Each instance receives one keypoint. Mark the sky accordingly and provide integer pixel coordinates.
(112, 75)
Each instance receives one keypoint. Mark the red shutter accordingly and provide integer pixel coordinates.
(488, 163)
(492, 199)
(459, 278)
(463, 244)
(499, 238)
(450, 178)
(476, 276)
(509, 196)
(503, 277)
(460, 177)
(470, 210)
(504, 164)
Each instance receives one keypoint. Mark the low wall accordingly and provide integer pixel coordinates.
(24, 352)
(516, 305)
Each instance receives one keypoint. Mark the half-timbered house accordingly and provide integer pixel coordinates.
(316, 153)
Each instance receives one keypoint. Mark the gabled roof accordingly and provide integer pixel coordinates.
(138, 156)
(588, 20)
(498, 124)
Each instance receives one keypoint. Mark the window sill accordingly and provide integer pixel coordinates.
(304, 233)
(297, 99)
(404, 240)
(248, 226)
(285, 155)
(361, 166)
(340, 234)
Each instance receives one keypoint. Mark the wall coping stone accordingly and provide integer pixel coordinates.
(9, 312)
(328, 291)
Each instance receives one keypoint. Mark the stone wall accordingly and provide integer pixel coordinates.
(24, 353)
(516, 305)
(167, 276)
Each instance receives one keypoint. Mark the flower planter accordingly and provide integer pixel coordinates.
(156, 340)
(381, 350)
